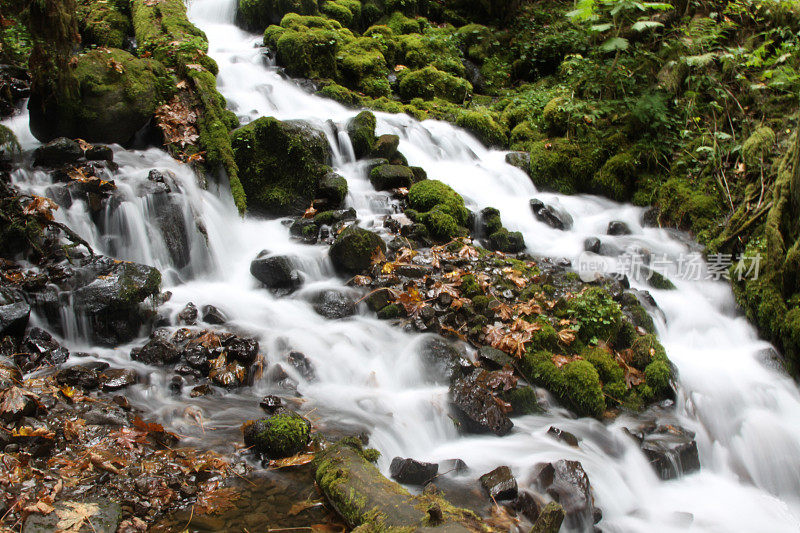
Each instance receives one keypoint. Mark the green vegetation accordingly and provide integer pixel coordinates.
(439, 207)
(281, 435)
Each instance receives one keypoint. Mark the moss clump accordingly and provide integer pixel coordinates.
(470, 286)
(555, 117)
(354, 248)
(400, 24)
(658, 375)
(523, 401)
(390, 311)
(646, 349)
(117, 95)
(386, 177)
(281, 164)
(690, 205)
(258, 14)
(346, 12)
(599, 316)
(756, 149)
(440, 208)
(562, 165)
(576, 384)
(103, 24)
(430, 82)
(484, 127)
(500, 238)
(617, 177)
(361, 130)
(307, 46)
(281, 435)
(360, 63)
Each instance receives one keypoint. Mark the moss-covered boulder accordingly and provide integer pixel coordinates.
(281, 435)
(281, 164)
(439, 207)
(430, 82)
(562, 165)
(756, 149)
(103, 23)
(576, 384)
(115, 95)
(307, 46)
(484, 127)
(354, 248)
(555, 117)
(386, 177)
(332, 189)
(499, 238)
(617, 177)
(599, 317)
(361, 130)
(256, 15)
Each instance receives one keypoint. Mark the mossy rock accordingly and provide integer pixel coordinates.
(361, 130)
(103, 24)
(308, 52)
(440, 208)
(555, 117)
(360, 60)
(646, 349)
(401, 24)
(500, 239)
(354, 248)
(281, 164)
(346, 12)
(562, 165)
(282, 435)
(430, 82)
(576, 384)
(617, 177)
(116, 95)
(333, 189)
(386, 177)
(385, 147)
(484, 127)
(256, 15)
(758, 146)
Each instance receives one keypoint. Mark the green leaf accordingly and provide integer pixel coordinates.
(602, 27)
(645, 25)
(614, 43)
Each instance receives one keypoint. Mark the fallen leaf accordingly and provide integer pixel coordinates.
(72, 519)
(295, 460)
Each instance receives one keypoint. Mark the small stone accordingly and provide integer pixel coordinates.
(271, 403)
(201, 390)
(564, 436)
(212, 315)
(188, 315)
(618, 227)
(500, 484)
(117, 378)
(411, 471)
(302, 364)
(99, 152)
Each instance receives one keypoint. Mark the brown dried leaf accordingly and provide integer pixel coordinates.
(295, 460)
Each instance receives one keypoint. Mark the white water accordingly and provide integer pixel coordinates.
(747, 416)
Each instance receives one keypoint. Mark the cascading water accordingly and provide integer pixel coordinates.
(746, 414)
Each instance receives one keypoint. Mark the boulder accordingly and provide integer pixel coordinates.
(592, 244)
(618, 227)
(167, 215)
(385, 147)
(671, 449)
(157, 352)
(302, 364)
(334, 304)
(550, 519)
(275, 271)
(281, 164)
(332, 189)
(500, 484)
(521, 160)
(552, 216)
(361, 130)
(113, 95)
(387, 177)
(567, 483)
(212, 315)
(476, 407)
(411, 471)
(282, 435)
(39, 348)
(60, 151)
(99, 152)
(564, 436)
(443, 362)
(188, 315)
(255, 15)
(354, 248)
(14, 318)
(81, 376)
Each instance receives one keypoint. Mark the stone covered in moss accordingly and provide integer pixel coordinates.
(281, 435)
(599, 316)
(103, 23)
(307, 46)
(116, 95)
(562, 165)
(386, 177)
(555, 116)
(757, 147)
(430, 82)
(500, 239)
(577, 383)
(281, 164)
(617, 177)
(484, 127)
(354, 248)
(439, 207)
(361, 130)
(258, 14)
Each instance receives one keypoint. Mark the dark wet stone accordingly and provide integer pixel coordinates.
(104, 417)
(83, 376)
(334, 304)
(454, 466)
(201, 390)
(564, 436)
(270, 403)
(117, 378)
(411, 471)
(476, 407)
(156, 352)
(618, 227)
(650, 217)
(413, 271)
(188, 315)
(521, 160)
(672, 451)
(550, 519)
(16, 403)
(176, 384)
(275, 271)
(528, 504)
(302, 364)
(442, 360)
(59, 151)
(552, 216)
(14, 318)
(99, 152)
(212, 315)
(567, 483)
(592, 244)
(379, 299)
(242, 349)
(104, 517)
(494, 358)
(385, 146)
(39, 348)
(500, 483)
(169, 217)
(227, 374)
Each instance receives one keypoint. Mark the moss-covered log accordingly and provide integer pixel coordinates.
(364, 497)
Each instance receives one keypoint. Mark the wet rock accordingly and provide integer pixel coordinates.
(521, 160)
(564, 436)
(379, 298)
(411, 471)
(57, 152)
(91, 516)
(567, 483)
(212, 315)
(618, 227)
(201, 390)
(281, 435)
(354, 248)
(592, 244)
(188, 315)
(302, 364)
(494, 358)
(500, 483)
(442, 360)
(387, 177)
(227, 373)
(650, 217)
(550, 519)
(672, 450)
(332, 189)
(14, 318)
(385, 147)
(176, 384)
(241, 349)
(476, 407)
(99, 416)
(271, 403)
(171, 222)
(527, 504)
(99, 152)
(82, 376)
(552, 216)
(39, 348)
(455, 466)
(334, 304)
(275, 271)
(361, 130)
(115, 379)
(157, 352)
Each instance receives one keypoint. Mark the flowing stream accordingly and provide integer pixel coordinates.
(745, 412)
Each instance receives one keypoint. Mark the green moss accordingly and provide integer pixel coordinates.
(758, 146)
(103, 24)
(361, 59)
(426, 195)
(523, 401)
(281, 435)
(390, 311)
(346, 12)
(281, 164)
(646, 349)
(477, 40)
(554, 117)
(470, 286)
(441, 225)
(599, 316)
(354, 248)
(658, 375)
(577, 384)
(430, 82)
(690, 205)
(562, 165)
(617, 177)
(401, 24)
(386, 177)
(484, 127)
(340, 94)
(258, 14)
